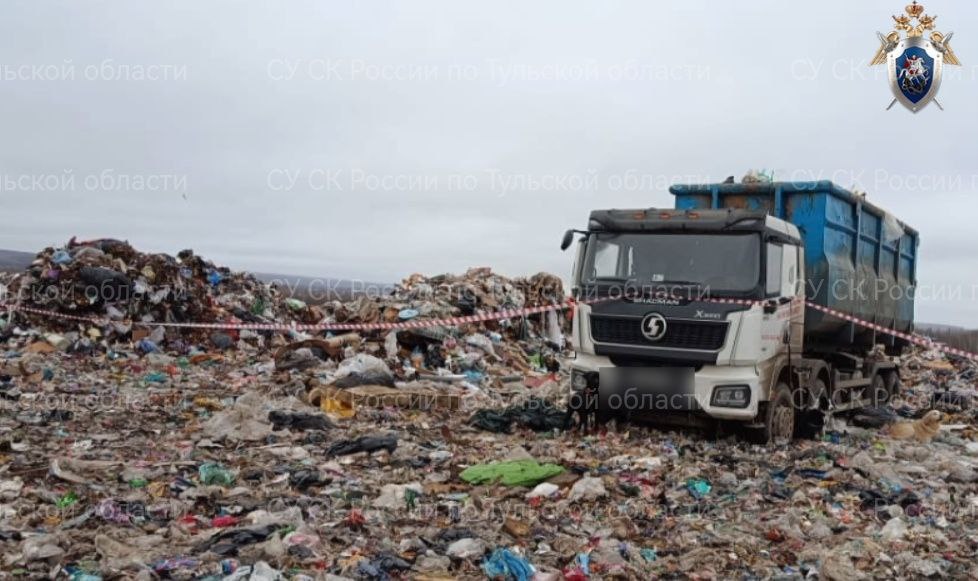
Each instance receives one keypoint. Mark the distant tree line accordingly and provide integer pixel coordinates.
(959, 338)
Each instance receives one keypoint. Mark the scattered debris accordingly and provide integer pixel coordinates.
(424, 453)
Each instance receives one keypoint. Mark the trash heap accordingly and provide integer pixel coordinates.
(435, 364)
(111, 280)
(443, 452)
(223, 465)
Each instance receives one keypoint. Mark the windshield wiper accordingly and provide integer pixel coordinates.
(731, 223)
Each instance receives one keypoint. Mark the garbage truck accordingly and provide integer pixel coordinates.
(706, 313)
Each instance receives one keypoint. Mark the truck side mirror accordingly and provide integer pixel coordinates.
(568, 239)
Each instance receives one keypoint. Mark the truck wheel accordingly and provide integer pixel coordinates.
(779, 423)
(878, 393)
(892, 382)
(811, 420)
(602, 415)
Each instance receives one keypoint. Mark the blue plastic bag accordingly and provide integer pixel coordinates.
(505, 564)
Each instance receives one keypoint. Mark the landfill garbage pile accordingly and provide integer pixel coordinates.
(448, 359)
(478, 291)
(445, 452)
(183, 458)
(226, 464)
(128, 291)
(111, 280)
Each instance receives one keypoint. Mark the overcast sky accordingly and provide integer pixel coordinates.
(375, 139)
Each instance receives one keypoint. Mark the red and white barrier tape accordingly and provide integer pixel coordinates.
(912, 338)
(482, 317)
(445, 322)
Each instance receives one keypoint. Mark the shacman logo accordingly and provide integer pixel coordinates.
(914, 63)
(653, 326)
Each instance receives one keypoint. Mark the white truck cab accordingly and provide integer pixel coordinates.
(694, 316)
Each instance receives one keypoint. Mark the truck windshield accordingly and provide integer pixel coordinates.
(716, 263)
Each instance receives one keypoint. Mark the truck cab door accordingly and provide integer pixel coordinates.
(793, 287)
(773, 321)
(785, 295)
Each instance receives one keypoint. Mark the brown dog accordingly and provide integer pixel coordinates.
(922, 430)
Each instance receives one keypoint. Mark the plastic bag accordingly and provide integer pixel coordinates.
(588, 489)
(480, 342)
(363, 369)
(390, 345)
(505, 564)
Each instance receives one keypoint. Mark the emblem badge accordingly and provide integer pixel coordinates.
(914, 63)
(653, 326)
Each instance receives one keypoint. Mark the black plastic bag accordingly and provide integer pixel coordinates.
(367, 444)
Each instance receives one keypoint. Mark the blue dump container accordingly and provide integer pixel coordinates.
(858, 258)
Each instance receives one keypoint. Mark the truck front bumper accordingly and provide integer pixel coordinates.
(713, 386)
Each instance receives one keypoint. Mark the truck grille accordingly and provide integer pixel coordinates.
(680, 334)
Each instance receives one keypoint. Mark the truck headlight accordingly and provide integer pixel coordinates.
(579, 381)
(584, 380)
(731, 396)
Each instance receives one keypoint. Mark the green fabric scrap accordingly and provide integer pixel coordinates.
(512, 473)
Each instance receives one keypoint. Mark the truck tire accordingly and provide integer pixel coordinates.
(779, 421)
(810, 421)
(602, 415)
(891, 380)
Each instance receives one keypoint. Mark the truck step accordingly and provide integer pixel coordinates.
(851, 383)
